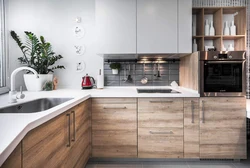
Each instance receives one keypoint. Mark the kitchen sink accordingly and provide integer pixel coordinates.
(33, 106)
(156, 91)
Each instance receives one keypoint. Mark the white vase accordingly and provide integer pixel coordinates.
(226, 29)
(211, 29)
(230, 47)
(206, 28)
(193, 29)
(36, 84)
(194, 46)
(232, 29)
(115, 71)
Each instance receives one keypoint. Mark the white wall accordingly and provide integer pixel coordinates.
(55, 20)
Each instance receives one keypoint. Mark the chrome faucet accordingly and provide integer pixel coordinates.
(13, 93)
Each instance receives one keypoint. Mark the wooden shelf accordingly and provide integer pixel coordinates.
(218, 16)
(233, 37)
(212, 37)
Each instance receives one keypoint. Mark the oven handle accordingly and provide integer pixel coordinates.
(221, 62)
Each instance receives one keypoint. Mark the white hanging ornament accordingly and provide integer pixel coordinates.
(79, 49)
(79, 31)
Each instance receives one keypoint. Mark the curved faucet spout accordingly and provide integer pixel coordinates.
(13, 74)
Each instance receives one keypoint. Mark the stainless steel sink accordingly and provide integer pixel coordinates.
(35, 105)
(156, 91)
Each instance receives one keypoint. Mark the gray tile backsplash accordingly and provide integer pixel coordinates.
(168, 72)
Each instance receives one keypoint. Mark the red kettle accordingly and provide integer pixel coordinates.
(87, 82)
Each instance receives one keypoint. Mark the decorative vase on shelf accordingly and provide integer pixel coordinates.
(115, 71)
(230, 47)
(226, 29)
(206, 28)
(194, 46)
(211, 29)
(193, 29)
(232, 29)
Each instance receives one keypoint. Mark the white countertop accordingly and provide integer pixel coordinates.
(15, 126)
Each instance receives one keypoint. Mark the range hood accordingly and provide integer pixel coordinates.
(143, 57)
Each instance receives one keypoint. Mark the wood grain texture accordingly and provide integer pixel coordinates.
(45, 146)
(14, 160)
(114, 128)
(223, 133)
(160, 145)
(188, 71)
(160, 112)
(191, 128)
(218, 22)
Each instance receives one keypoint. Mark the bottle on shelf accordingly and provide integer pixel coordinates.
(194, 46)
(232, 29)
(226, 29)
(230, 47)
(193, 29)
(211, 29)
(206, 28)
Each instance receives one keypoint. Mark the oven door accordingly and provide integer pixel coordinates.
(223, 78)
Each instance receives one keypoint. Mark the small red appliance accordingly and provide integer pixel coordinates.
(87, 82)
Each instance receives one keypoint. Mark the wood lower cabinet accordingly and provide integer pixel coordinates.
(160, 127)
(114, 127)
(15, 159)
(191, 128)
(223, 127)
(61, 142)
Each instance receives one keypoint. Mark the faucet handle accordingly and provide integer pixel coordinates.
(21, 96)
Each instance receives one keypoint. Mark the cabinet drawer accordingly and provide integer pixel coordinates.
(97, 101)
(160, 142)
(160, 112)
(170, 105)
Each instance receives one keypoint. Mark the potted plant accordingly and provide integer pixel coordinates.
(37, 54)
(115, 67)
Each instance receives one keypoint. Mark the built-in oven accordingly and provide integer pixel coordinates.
(223, 73)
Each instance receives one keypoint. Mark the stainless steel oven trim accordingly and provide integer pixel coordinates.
(221, 94)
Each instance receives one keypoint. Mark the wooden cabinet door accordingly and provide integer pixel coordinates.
(116, 26)
(157, 26)
(160, 127)
(47, 145)
(114, 127)
(223, 127)
(80, 137)
(15, 159)
(191, 128)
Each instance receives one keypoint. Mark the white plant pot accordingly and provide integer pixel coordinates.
(115, 71)
(36, 84)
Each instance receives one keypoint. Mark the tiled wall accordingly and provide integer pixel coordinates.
(168, 71)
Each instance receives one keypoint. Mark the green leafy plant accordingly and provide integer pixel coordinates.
(115, 65)
(48, 86)
(37, 53)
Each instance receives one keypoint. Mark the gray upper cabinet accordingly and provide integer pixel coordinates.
(157, 26)
(143, 26)
(184, 26)
(116, 26)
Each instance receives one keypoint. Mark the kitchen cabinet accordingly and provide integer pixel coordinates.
(223, 128)
(184, 26)
(191, 128)
(116, 26)
(15, 159)
(114, 127)
(160, 127)
(157, 26)
(61, 142)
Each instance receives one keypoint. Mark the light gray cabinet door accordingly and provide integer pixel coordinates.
(185, 26)
(157, 26)
(116, 26)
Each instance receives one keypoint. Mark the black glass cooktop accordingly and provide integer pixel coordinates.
(156, 91)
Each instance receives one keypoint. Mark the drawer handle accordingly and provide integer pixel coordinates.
(68, 115)
(74, 125)
(161, 101)
(170, 132)
(192, 104)
(114, 107)
(203, 111)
